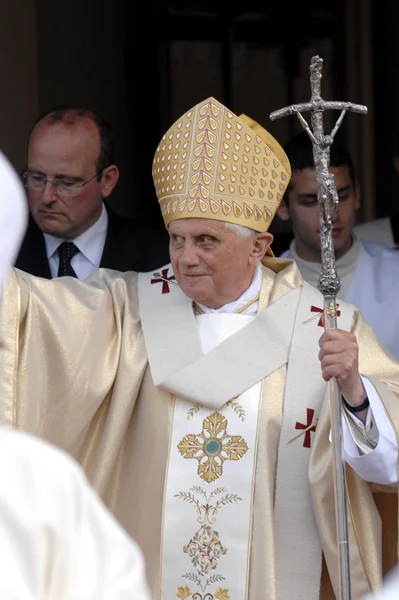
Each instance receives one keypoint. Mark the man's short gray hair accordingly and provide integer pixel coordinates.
(240, 230)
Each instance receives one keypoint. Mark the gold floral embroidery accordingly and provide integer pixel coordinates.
(238, 409)
(222, 594)
(205, 547)
(193, 410)
(183, 593)
(207, 512)
(212, 447)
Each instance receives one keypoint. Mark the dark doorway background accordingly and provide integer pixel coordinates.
(167, 72)
(141, 65)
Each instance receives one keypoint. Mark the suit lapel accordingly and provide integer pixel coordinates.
(115, 251)
(32, 257)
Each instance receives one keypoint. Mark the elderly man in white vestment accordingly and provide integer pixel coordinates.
(57, 539)
(194, 396)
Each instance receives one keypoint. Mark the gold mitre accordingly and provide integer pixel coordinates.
(212, 164)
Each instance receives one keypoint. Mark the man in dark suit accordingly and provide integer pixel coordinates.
(72, 230)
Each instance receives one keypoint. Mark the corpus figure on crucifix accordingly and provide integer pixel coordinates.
(327, 193)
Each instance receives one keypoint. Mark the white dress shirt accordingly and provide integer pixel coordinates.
(90, 244)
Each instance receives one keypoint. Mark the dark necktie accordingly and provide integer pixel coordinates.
(66, 251)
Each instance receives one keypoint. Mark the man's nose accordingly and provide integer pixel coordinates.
(336, 214)
(49, 194)
(189, 255)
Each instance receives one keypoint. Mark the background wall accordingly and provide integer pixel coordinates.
(80, 57)
(142, 69)
(19, 97)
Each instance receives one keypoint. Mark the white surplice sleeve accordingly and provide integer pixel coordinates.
(371, 448)
(13, 216)
(57, 539)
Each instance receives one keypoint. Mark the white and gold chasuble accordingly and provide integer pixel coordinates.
(140, 412)
(209, 488)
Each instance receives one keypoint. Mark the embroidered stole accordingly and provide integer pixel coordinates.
(209, 490)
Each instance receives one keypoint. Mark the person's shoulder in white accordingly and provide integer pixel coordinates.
(285, 254)
(378, 249)
(385, 263)
(379, 231)
(374, 249)
(57, 540)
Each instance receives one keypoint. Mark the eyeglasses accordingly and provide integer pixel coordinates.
(37, 182)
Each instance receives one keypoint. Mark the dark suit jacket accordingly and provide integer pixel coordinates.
(129, 246)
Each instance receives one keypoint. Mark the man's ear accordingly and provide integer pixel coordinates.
(109, 180)
(283, 211)
(261, 244)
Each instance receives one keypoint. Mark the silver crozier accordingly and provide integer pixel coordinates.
(329, 283)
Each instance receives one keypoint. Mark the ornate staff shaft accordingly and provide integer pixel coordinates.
(329, 283)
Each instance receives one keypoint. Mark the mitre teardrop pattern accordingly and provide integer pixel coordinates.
(211, 164)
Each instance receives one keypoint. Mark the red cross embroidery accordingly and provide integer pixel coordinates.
(163, 278)
(310, 426)
(320, 310)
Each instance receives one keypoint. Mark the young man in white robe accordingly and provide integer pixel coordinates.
(368, 271)
(195, 395)
(57, 539)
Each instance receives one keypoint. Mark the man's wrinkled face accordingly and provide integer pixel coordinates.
(303, 211)
(213, 264)
(67, 152)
